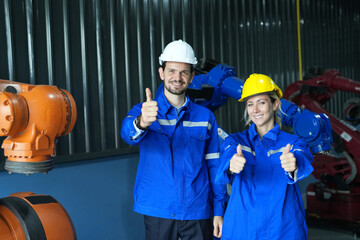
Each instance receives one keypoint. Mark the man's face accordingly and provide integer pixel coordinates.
(176, 76)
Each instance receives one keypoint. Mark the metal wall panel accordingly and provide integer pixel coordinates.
(331, 40)
(105, 52)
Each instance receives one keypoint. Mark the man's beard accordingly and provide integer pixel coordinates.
(175, 91)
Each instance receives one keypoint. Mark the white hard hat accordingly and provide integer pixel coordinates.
(178, 51)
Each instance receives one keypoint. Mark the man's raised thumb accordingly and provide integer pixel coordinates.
(148, 95)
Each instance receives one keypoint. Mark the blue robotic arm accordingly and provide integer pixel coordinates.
(212, 89)
(222, 80)
(314, 128)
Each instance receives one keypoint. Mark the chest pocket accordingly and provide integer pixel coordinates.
(250, 158)
(275, 159)
(197, 144)
(198, 131)
(198, 136)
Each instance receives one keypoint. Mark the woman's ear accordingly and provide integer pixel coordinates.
(276, 104)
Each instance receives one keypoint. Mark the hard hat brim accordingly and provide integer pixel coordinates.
(244, 99)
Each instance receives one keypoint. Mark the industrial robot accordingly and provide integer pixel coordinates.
(31, 118)
(336, 194)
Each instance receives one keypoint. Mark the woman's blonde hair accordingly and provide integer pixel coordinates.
(273, 97)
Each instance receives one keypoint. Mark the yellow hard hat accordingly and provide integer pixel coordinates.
(259, 83)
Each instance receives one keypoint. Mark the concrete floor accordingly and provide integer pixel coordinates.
(327, 234)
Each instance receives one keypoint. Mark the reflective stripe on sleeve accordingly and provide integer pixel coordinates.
(212, 156)
(165, 122)
(300, 150)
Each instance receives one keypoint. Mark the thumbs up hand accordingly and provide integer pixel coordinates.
(288, 161)
(149, 110)
(237, 161)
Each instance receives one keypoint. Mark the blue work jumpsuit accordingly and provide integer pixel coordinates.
(179, 159)
(265, 201)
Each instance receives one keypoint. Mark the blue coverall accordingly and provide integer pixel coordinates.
(179, 159)
(265, 201)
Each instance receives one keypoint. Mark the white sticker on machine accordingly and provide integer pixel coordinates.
(346, 136)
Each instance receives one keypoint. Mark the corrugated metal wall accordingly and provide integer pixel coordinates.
(331, 39)
(105, 51)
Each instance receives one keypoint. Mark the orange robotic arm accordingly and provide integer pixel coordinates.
(29, 216)
(32, 116)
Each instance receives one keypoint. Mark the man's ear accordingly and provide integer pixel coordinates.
(161, 73)
(192, 77)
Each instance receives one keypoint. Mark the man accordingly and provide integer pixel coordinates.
(175, 186)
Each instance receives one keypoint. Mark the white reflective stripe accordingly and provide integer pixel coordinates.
(300, 150)
(279, 150)
(166, 122)
(212, 156)
(247, 149)
(197, 124)
(244, 148)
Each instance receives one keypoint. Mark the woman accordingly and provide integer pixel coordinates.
(263, 164)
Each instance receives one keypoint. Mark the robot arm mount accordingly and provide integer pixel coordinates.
(31, 117)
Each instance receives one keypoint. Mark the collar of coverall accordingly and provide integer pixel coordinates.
(166, 106)
(272, 134)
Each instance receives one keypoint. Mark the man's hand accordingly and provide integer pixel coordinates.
(218, 223)
(238, 161)
(149, 110)
(288, 161)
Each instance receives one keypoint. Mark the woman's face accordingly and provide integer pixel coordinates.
(261, 110)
